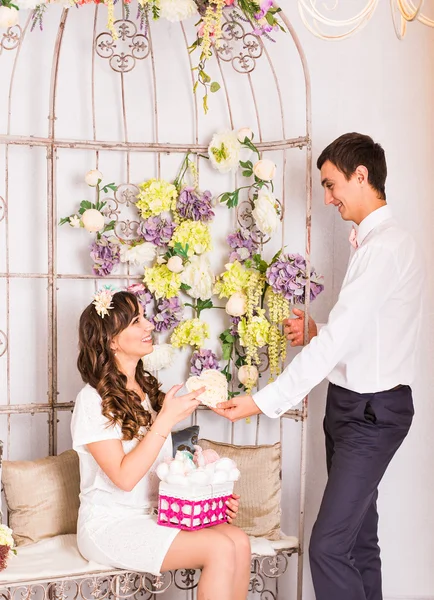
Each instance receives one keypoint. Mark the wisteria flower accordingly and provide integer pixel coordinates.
(160, 358)
(234, 279)
(265, 212)
(287, 276)
(194, 205)
(157, 230)
(243, 244)
(169, 313)
(194, 233)
(203, 359)
(141, 292)
(177, 10)
(106, 255)
(199, 277)
(162, 282)
(255, 330)
(138, 254)
(192, 332)
(234, 325)
(156, 196)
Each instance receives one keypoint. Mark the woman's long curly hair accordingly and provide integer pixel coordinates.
(98, 367)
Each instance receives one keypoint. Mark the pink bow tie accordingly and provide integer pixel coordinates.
(353, 238)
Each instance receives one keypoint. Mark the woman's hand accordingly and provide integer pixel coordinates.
(178, 408)
(233, 506)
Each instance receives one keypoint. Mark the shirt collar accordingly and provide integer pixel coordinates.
(371, 221)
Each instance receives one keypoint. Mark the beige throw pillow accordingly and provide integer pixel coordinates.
(258, 486)
(42, 496)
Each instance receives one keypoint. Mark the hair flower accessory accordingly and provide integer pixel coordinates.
(102, 300)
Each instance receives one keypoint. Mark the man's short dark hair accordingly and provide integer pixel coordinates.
(352, 150)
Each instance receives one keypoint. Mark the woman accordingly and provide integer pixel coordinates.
(121, 430)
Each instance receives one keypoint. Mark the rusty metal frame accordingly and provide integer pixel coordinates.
(52, 145)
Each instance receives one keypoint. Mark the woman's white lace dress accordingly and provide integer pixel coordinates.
(116, 528)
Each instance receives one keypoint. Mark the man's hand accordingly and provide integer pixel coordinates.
(238, 408)
(294, 328)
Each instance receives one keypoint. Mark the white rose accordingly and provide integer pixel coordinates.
(92, 177)
(243, 133)
(264, 213)
(92, 220)
(177, 10)
(139, 254)
(74, 221)
(160, 358)
(248, 374)
(8, 16)
(175, 265)
(198, 275)
(236, 306)
(224, 151)
(265, 169)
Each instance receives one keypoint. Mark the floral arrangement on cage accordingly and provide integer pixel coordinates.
(172, 246)
(261, 15)
(7, 546)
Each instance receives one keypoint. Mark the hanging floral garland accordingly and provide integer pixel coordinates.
(173, 244)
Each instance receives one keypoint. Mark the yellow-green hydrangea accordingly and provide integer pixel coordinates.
(156, 196)
(254, 332)
(194, 233)
(234, 279)
(192, 332)
(161, 282)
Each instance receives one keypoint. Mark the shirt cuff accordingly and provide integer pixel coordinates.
(268, 401)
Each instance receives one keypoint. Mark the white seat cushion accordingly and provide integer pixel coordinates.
(49, 559)
(263, 547)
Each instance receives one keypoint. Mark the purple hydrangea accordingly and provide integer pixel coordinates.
(287, 276)
(203, 359)
(105, 255)
(195, 206)
(234, 325)
(157, 230)
(142, 294)
(170, 312)
(242, 242)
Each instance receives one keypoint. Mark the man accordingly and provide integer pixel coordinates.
(367, 351)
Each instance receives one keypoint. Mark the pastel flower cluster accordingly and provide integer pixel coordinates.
(157, 230)
(192, 332)
(162, 282)
(169, 313)
(195, 206)
(203, 360)
(243, 245)
(287, 277)
(234, 279)
(156, 196)
(142, 294)
(105, 253)
(195, 234)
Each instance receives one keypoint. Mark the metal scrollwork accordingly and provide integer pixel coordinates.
(3, 208)
(124, 52)
(186, 579)
(158, 584)
(237, 46)
(3, 343)
(10, 38)
(124, 197)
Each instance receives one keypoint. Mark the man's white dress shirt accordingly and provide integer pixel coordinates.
(369, 343)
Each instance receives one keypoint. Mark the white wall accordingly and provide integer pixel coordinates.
(371, 83)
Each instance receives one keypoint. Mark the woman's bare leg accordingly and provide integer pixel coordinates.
(243, 557)
(211, 551)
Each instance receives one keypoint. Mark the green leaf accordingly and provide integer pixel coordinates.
(204, 304)
(205, 103)
(214, 87)
(233, 394)
(109, 227)
(246, 164)
(100, 205)
(227, 351)
(233, 201)
(247, 173)
(261, 264)
(225, 197)
(185, 287)
(85, 205)
(204, 76)
(64, 221)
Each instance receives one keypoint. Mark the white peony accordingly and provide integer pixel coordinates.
(160, 358)
(74, 221)
(177, 10)
(8, 16)
(265, 169)
(92, 220)
(224, 151)
(92, 177)
(198, 275)
(139, 254)
(175, 265)
(236, 306)
(264, 213)
(248, 374)
(243, 133)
